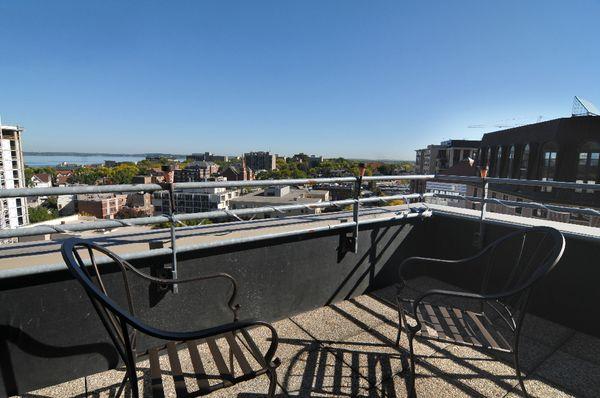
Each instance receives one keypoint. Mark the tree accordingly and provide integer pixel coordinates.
(86, 175)
(41, 213)
(123, 173)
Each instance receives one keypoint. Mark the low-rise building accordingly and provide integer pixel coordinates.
(66, 205)
(195, 200)
(104, 206)
(137, 205)
(281, 195)
(41, 180)
(63, 177)
(196, 171)
(207, 157)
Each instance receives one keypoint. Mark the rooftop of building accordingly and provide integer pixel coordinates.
(11, 128)
(43, 177)
(347, 349)
(334, 310)
(295, 195)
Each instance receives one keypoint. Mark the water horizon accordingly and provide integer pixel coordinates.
(80, 160)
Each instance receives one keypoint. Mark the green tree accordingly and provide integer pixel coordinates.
(123, 173)
(41, 213)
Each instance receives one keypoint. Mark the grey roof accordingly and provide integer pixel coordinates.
(293, 197)
(201, 164)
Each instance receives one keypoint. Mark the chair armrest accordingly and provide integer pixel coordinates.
(230, 303)
(439, 261)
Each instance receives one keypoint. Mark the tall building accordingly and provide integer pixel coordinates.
(566, 149)
(13, 211)
(261, 161)
(437, 159)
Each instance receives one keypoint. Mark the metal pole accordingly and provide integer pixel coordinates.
(170, 191)
(484, 195)
(358, 186)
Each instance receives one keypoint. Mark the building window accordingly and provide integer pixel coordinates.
(524, 163)
(497, 166)
(511, 160)
(540, 213)
(548, 169)
(519, 210)
(587, 165)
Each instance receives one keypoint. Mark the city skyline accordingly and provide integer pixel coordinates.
(326, 77)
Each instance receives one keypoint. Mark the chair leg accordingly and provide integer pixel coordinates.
(122, 386)
(133, 382)
(518, 370)
(272, 373)
(399, 324)
(412, 393)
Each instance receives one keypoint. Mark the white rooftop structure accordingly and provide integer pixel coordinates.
(582, 107)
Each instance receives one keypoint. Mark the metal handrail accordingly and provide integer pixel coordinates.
(531, 205)
(122, 188)
(514, 181)
(118, 223)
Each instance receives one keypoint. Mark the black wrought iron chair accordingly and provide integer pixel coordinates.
(493, 318)
(122, 326)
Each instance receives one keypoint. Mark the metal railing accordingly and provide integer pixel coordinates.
(349, 227)
(237, 214)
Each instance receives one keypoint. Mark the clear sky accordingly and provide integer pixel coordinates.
(369, 79)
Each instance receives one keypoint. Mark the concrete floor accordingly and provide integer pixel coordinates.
(347, 350)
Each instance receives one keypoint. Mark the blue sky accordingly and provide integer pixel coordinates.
(369, 79)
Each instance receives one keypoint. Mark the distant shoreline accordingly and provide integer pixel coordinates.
(31, 153)
(172, 155)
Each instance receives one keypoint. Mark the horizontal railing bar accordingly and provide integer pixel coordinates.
(83, 189)
(109, 224)
(522, 223)
(531, 205)
(512, 181)
(22, 271)
(123, 188)
(78, 189)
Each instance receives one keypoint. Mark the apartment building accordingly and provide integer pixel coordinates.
(13, 211)
(261, 161)
(207, 157)
(196, 171)
(195, 200)
(565, 149)
(437, 159)
(103, 206)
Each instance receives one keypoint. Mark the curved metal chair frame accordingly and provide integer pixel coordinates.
(122, 324)
(509, 305)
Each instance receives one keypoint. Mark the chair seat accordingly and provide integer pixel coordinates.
(201, 366)
(457, 325)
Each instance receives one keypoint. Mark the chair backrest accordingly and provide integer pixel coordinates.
(113, 315)
(517, 261)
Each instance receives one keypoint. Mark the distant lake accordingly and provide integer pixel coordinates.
(53, 160)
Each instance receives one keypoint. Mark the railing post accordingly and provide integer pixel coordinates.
(484, 196)
(357, 189)
(171, 192)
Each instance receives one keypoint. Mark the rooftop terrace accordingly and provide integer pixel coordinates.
(347, 349)
(332, 304)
